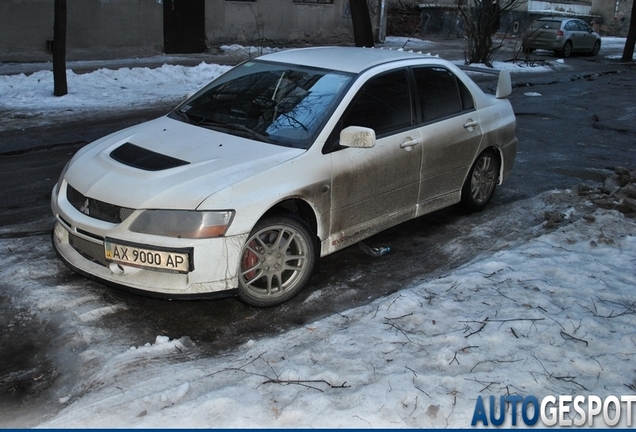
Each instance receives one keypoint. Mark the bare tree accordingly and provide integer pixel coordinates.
(60, 87)
(482, 19)
(628, 51)
(361, 19)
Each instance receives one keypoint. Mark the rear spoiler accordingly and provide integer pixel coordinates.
(504, 84)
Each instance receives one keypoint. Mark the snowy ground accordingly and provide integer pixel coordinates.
(550, 316)
(553, 315)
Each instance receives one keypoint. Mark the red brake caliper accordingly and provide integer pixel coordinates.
(249, 260)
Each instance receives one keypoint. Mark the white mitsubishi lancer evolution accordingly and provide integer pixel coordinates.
(281, 160)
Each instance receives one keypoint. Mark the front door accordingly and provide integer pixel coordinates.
(183, 26)
(376, 188)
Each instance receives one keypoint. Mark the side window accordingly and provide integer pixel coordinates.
(571, 26)
(382, 104)
(583, 26)
(440, 93)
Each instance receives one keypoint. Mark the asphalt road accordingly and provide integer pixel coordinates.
(582, 124)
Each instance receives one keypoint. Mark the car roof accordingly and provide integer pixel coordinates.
(346, 59)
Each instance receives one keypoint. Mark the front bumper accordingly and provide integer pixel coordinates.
(79, 241)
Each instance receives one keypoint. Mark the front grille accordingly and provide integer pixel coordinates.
(97, 209)
(91, 251)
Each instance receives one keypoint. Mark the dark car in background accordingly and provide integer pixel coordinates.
(564, 36)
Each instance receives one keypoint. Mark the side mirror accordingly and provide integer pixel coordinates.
(189, 95)
(357, 136)
(504, 85)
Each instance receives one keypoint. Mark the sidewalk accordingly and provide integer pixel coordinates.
(86, 66)
(450, 48)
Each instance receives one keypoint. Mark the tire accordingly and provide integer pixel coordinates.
(595, 49)
(276, 261)
(567, 50)
(481, 181)
(528, 50)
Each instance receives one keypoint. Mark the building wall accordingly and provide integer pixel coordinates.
(111, 28)
(615, 15)
(278, 21)
(95, 28)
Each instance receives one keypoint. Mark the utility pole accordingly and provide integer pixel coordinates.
(60, 87)
(628, 51)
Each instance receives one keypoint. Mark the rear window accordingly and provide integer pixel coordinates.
(552, 25)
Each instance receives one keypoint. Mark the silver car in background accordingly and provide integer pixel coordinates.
(564, 36)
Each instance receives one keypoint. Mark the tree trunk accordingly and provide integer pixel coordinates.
(362, 30)
(628, 51)
(60, 87)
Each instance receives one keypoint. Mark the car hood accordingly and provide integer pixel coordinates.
(166, 163)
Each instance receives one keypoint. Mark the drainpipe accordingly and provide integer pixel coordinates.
(382, 23)
(616, 9)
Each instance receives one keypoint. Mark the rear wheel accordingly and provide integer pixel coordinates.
(277, 261)
(481, 182)
(567, 50)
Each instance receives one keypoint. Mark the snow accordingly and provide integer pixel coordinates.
(546, 316)
(104, 89)
(549, 316)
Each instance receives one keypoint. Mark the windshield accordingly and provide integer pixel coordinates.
(275, 103)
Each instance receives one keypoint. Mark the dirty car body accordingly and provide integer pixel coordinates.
(283, 159)
(564, 36)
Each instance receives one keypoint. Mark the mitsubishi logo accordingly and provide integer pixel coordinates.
(84, 209)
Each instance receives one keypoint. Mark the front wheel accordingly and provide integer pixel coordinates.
(277, 261)
(481, 182)
(596, 48)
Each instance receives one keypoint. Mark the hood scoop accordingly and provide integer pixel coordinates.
(141, 158)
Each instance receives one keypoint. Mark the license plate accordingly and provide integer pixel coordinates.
(166, 260)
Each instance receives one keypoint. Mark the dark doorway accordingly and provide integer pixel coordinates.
(183, 26)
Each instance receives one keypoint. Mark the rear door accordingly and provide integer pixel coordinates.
(587, 38)
(575, 35)
(451, 133)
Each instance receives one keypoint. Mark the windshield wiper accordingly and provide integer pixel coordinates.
(187, 117)
(198, 121)
(235, 127)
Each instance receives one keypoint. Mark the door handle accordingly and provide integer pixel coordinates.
(470, 124)
(408, 144)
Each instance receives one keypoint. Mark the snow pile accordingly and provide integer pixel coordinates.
(554, 315)
(617, 192)
(31, 97)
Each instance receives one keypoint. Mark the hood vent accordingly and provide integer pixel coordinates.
(139, 157)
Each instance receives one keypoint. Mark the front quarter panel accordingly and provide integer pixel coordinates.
(306, 177)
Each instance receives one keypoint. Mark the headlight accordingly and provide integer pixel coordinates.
(183, 223)
(62, 174)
